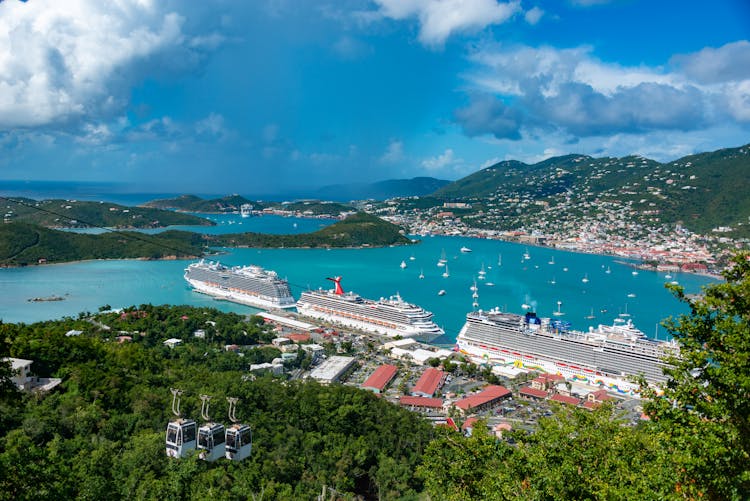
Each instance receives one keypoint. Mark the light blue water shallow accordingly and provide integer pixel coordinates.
(373, 273)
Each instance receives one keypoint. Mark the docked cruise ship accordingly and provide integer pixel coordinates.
(608, 355)
(251, 285)
(391, 317)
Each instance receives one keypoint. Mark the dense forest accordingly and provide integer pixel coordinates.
(100, 434)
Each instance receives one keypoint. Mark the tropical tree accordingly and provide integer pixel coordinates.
(705, 409)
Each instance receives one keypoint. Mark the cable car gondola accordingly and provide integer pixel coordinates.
(180, 432)
(239, 443)
(211, 436)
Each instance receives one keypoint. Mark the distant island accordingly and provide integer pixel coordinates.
(233, 204)
(24, 244)
(58, 213)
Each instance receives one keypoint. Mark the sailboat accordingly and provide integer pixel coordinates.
(585, 278)
(482, 273)
(608, 270)
(625, 313)
(499, 259)
(559, 312)
(446, 274)
(553, 281)
(443, 259)
(421, 274)
(412, 258)
(403, 264)
(474, 287)
(591, 315)
(551, 260)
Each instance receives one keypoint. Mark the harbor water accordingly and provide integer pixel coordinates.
(583, 289)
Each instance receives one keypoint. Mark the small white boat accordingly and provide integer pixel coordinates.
(403, 264)
(421, 274)
(526, 306)
(608, 270)
(635, 273)
(441, 262)
(474, 287)
(631, 294)
(585, 279)
(565, 269)
(490, 284)
(590, 315)
(559, 311)
(441, 292)
(667, 276)
(481, 274)
(526, 254)
(551, 260)
(553, 281)
(412, 258)
(499, 259)
(446, 274)
(465, 249)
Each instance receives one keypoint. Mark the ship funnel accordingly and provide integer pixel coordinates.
(337, 281)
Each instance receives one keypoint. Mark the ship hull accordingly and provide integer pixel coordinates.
(391, 317)
(577, 360)
(247, 298)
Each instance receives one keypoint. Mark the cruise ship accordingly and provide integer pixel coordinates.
(390, 317)
(606, 356)
(250, 285)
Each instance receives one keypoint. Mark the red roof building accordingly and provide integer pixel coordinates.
(546, 381)
(532, 393)
(563, 399)
(430, 381)
(298, 337)
(421, 403)
(379, 379)
(486, 398)
(469, 424)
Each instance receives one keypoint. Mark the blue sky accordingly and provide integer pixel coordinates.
(268, 96)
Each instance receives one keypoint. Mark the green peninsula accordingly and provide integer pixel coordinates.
(357, 230)
(23, 244)
(81, 214)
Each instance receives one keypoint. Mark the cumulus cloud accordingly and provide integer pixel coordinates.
(394, 153)
(63, 62)
(730, 62)
(515, 90)
(439, 19)
(533, 15)
(441, 161)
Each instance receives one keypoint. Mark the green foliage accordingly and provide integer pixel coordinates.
(80, 214)
(100, 435)
(357, 230)
(192, 203)
(23, 244)
(705, 409)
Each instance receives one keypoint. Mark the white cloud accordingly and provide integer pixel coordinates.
(212, 125)
(440, 162)
(521, 90)
(533, 15)
(394, 153)
(439, 19)
(62, 62)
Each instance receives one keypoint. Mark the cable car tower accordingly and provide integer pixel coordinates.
(210, 435)
(239, 436)
(180, 432)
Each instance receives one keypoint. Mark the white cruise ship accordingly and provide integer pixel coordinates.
(390, 317)
(606, 356)
(250, 285)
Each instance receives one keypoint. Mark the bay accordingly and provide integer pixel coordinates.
(547, 277)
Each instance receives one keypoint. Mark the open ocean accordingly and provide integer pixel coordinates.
(547, 277)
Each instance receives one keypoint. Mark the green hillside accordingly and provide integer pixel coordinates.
(701, 192)
(23, 244)
(81, 214)
(313, 207)
(192, 203)
(357, 230)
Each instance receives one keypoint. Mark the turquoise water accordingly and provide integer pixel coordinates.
(234, 223)
(373, 273)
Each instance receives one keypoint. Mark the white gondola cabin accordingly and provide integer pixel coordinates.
(239, 443)
(211, 436)
(180, 438)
